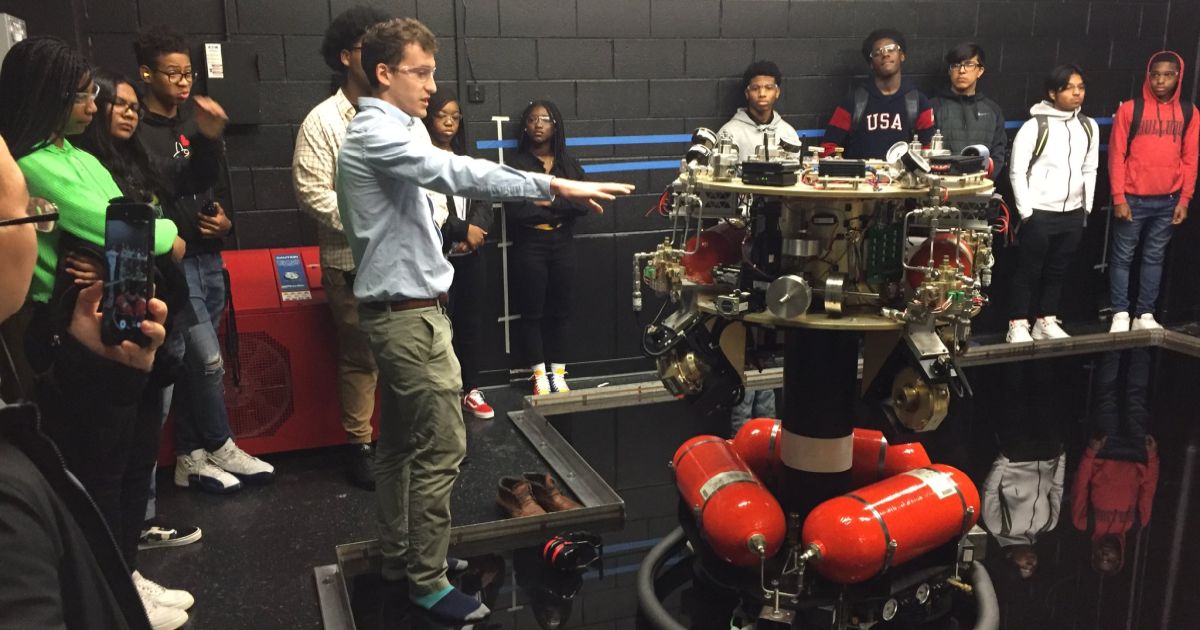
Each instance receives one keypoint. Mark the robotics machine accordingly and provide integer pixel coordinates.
(852, 271)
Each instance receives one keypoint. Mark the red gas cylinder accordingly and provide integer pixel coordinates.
(862, 534)
(943, 247)
(874, 459)
(757, 443)
(719, 244)
(739, 517)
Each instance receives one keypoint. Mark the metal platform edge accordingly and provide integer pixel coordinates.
(634, 394)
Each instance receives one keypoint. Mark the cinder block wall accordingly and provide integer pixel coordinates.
(628, 67)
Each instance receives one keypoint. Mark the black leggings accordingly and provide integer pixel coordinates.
(1048, 241)
(466, 313)
(542, 277)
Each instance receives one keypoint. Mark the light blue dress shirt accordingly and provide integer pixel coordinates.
(382, 167)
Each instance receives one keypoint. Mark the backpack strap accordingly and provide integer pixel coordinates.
(912, 103)
(1087, 129)
(860, 106)
(1043, 133)
(1135, 124)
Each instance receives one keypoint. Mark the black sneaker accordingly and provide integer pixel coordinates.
(158, 535)
(360, 466)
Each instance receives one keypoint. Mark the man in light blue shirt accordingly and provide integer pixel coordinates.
(401, 283)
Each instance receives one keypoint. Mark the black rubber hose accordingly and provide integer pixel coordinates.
(988, 615)
(648, 603)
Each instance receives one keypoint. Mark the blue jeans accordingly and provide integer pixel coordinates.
(754, 404)
(201, 420)
(1108, 394)
(1151, 225)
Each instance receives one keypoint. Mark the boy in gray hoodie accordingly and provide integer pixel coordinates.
(762, 83)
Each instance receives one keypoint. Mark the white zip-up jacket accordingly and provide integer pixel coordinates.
(1064, 177)
(748, 134)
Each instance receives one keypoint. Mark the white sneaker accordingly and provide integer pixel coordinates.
(1018, 331)
(164, 617)
(234, 460)
(195, 471)
(153, 592)
(1120, 323)
(1146, 321)
(1047, 328)
(558, 378)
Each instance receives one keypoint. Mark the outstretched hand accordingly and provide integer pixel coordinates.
(589, 193)
(85, 328)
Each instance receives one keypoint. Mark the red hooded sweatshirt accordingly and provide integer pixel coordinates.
(1116, 494)
(1162, 159)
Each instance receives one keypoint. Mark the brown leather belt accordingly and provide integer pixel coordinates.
(408, 305)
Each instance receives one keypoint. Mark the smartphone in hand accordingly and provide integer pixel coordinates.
(129, 280)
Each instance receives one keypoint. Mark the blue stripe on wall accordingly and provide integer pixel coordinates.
(653, 165)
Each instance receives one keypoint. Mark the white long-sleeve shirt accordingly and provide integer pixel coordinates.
(1022, 500)
(1064, 177)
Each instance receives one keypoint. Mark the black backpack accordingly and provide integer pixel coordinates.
(912, 105)
(1139, 104)
(1043, 123)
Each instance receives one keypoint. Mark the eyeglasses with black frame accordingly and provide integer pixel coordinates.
(175, 75)
(965, 65)
(41, 213)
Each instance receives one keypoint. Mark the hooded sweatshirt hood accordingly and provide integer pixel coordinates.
(1161, 160)
(748, 133)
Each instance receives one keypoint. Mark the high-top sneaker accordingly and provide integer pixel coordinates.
(244, 466)
(541, 383)
(558, 378)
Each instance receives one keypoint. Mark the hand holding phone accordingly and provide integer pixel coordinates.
(129, 282)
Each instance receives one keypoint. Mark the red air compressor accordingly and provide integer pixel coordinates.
(740, 518)
(858, 536)
(286, 397)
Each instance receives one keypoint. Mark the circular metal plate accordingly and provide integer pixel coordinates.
(789, 296)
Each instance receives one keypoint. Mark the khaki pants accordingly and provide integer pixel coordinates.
(357, 374)
(422, 441)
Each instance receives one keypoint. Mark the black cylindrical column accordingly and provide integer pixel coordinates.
(820, 387)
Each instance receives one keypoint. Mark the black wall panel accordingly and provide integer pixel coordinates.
(632, 67)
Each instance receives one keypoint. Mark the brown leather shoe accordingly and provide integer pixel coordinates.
(547, 494)
(515, 497)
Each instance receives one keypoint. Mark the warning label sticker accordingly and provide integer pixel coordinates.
(941, 483)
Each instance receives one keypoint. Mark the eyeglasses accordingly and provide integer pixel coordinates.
(456, 116)
(420, 73)
(41, 213)
(1170, 74)
(884, 50)
(766, 87)
(533, 120)
(87, 95)
(125, 107)
(965, 65)
(175, 75)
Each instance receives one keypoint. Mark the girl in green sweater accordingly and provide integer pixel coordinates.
(46, 95)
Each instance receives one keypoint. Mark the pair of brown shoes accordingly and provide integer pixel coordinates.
(531, 494)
